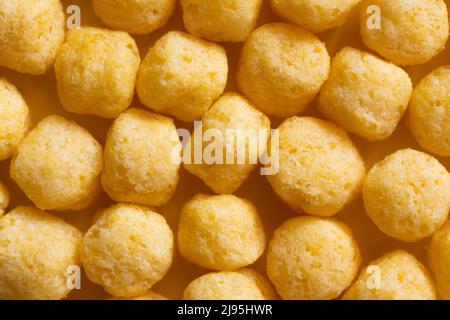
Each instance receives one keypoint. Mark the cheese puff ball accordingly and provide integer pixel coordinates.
(395, 276)
(405, 32)
(134, 16)
(429, 112)
(58, 165)
(263, 284)
(364, 94)
(127, 250)
(31, 32)
(220, 232)
(439, 257)
(320, 169)
(221, 20)
(282, 68)
(314, 15)
(96, 71)
(238, 120)
(182, 75)
(14, 118)
(150, 295)
(406, 195)
(36, 251)
(139, 163)
(4, 198)
(312, 258)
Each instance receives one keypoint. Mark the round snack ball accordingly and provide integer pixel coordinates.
(140, 166)
(236, 119)
(364, 94)
(220, 232)
(282, 68)
(14, 118)
(406, 195)
(36, 250)
(312, 258)
(96, 71)
(150, 295)
(439, 256)
(263, 284)
(4, 198)
(429, 112)
(127, 250)
(405, 32)
(314, 15)
(31, 32)
(395, 276)
(182, 76)
(58, 165)
(320, 169)
(134, 16)
(221, 20)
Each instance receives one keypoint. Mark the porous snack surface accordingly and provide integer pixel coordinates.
(4, 198)
(150, 295)
(439, 258)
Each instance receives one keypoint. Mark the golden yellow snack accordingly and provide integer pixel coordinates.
(429, 112)
(220, 232)
(127, 250)
(263, 284)
(407, 195)
(395, 276)
(96, 71)
(4, 198)
(230, 112)
(140, 163)
(134, 16)
(36, 251)
(439, 257)
(314, 15)
(150, 295)
(58, 165)
(14, 119)
(182, 75)
(31, 32)
(221, 20)
(405, 32)
(282, 68)
(364, 94)
(320, 168)
(312, 258)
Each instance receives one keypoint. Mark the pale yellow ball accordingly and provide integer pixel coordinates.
(127, 250)
(405, 32)
(220, 232)
(282, 68)
(14, 119)
(439, 257)
(395, 276)
(221, 20)
(407, 195)
(96, 71)
(429, 112)
(263, 284)
(134, 16)
(231, 118)
(31, 32)
(314, 15)
(58, 165)
(4, 198)
(312, 258)
(150, 295)
(36, 251)
(364, 94)
(182, 76)
(320, 169)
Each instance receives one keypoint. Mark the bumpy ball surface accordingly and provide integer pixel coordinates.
(312, 258)
(140, 162)
(221, 20)
(408, 32)
(36, 250)
(4, 198)
(14, 119)
(439, 256)
(395, 276)
(364, 94)
(96, 71)
(58, 165)
(228, 113)
(282, 68)
(320, 168)
(182, 76)
(31, 32)
(263, 284)
(127, 250)
(220, 232)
